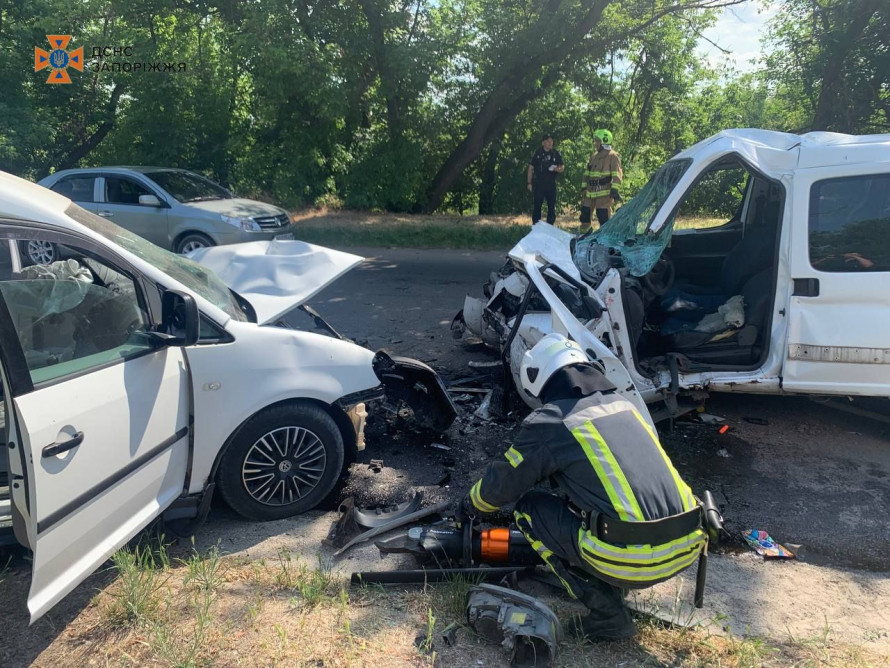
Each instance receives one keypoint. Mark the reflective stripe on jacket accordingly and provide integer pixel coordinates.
(602, 174)
(606, 458)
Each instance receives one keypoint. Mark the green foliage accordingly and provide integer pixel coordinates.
(365, 103)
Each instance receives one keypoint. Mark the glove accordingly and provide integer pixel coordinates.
(464, 512)
(613, 193)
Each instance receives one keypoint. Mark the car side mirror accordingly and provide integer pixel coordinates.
(149, 200)
(180, 320)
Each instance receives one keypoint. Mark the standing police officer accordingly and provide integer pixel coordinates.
(603, 173)
(623, 517)
(545, 164)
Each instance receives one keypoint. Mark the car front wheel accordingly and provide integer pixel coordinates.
(284, 461)
(193, 241)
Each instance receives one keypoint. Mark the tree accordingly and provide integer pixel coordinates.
(830, 68)
(536, 56)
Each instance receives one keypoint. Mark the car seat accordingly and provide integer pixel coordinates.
(751, 255)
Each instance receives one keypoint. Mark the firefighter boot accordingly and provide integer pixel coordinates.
(609, 618)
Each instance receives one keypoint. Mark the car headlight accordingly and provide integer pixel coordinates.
(248, 224)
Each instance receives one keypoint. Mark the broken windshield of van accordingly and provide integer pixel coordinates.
(626, 230)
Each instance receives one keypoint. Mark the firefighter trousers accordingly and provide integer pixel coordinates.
(552, 529)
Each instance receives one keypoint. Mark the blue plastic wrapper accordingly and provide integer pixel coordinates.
(764, 545)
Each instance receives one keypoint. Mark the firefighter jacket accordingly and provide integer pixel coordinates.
(605, 458)
(602, 174)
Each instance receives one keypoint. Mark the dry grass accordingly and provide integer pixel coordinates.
(357, 228)
(209, 610)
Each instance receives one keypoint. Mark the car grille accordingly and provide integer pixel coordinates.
(268, 222)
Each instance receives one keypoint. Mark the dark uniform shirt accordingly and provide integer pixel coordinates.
(541, 162)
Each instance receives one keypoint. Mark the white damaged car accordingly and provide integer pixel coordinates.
(754, 261)
(135, 382)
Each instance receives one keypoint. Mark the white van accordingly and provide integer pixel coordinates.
(135, 382)
(754, 261)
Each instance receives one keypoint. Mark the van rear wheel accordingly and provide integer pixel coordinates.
(284, 461)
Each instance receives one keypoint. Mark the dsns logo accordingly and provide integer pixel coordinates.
(58, 59)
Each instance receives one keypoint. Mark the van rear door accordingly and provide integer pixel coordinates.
(839, 309)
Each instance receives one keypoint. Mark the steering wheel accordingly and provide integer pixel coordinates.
(661, 277)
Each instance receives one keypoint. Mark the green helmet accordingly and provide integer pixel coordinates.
(604, 136)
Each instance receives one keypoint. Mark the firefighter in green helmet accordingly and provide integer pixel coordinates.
(601, 178)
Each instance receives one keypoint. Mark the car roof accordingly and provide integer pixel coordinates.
(118, 169)
(776, 152)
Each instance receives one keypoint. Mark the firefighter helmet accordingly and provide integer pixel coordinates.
(549, 355)
(604, 136)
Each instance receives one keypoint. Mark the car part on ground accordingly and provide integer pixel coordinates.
(526, 628)
(354, 521)
(393, 524)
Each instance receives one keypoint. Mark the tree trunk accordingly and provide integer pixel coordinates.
(489, 178)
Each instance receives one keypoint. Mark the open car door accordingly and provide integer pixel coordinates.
(97, 413)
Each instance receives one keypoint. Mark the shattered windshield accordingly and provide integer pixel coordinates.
(626, 230)
(192, 275)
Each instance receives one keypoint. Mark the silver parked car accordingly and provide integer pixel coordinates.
(174, 208)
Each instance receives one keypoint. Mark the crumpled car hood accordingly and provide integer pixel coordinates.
(275, 276)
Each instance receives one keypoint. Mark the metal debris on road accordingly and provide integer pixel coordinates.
(439, 446)
(376, 465)
(707, 418)
(756, 420)
(473, 364)
(484, 410)
(353, 520)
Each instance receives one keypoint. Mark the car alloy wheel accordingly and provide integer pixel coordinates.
(191, 245)
(40, 252)
(283, 466)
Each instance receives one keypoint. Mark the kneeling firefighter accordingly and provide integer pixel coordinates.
(623, 519)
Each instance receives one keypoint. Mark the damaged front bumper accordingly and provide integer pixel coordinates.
(414, 392)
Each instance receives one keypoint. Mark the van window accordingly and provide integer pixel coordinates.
(77, 188)
(850, 224)
(73, 315)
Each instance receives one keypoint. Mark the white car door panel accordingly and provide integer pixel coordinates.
(101, 411)
(130, 465)
(839, 311)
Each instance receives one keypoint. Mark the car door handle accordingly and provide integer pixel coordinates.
(106, 213)
(57, 448)
(805, 287)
